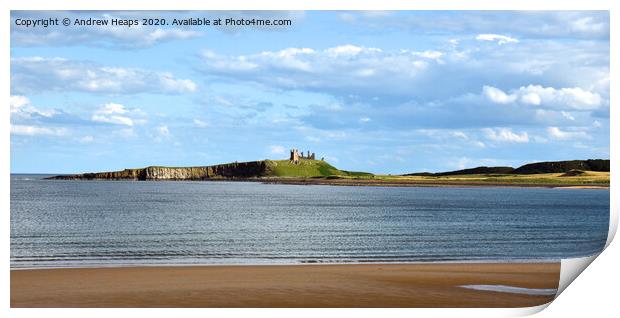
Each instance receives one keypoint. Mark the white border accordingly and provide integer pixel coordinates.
(595, 293)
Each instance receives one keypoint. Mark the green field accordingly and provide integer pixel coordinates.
(318, 169)
(587, 178)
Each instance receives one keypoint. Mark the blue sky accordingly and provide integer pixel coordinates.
(384, 92)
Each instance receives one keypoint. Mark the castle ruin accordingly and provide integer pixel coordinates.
(296, 156)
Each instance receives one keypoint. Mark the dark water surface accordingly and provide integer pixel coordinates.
(98, 223)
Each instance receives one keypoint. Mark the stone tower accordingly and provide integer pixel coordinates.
(294, 156)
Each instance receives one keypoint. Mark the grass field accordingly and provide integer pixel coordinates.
(308, 168)
(324, 173)
(587, 178)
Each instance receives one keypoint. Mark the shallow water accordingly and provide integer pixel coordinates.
(101, 223)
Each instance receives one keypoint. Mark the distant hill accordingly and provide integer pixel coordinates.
(531, 168)
(235, 170)
(563, 166)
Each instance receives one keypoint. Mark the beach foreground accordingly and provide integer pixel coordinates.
(350, 285)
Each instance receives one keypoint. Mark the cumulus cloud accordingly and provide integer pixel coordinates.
(136, 36)
(36, 74)
(429, 54)
(200, 123)
(505, 135)
(381, 76)
(21, 108)
(113, 113)
(557, 133)
(497, 95)
(500, 39)
(574, 97)
(27, 130)
(346, 67)
(17, 101)
(561, 98)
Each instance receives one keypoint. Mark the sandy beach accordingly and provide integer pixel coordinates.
(363, 285)
(405, 182)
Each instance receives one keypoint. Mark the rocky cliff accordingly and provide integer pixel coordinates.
(234, 170)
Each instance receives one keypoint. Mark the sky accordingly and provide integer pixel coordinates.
(383, 92)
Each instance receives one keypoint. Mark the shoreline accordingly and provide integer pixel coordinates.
(369, 183)
(448, 262)
(423, 184)
(304, 285)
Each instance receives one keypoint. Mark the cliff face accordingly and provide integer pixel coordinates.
(250, 169)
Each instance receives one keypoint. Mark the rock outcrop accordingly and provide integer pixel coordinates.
(234, 170)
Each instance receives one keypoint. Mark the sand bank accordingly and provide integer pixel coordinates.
(364, 285)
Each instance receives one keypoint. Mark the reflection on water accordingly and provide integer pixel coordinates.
(83, 223)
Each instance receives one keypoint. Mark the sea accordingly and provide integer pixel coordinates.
(64, 223)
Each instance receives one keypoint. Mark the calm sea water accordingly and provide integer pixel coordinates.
(99, 223)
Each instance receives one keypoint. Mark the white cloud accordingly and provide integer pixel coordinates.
(429, 54)
(160, 35)
(163, 131)
(349, 50)
(201, 124)
(364, 120)
(87, 139)
(505, 135)
(459, 134)
(402, 75)
(531, 98)
(136, 36)
(500, 39)
(576, 98)
(567, 115)
(496, 95)
(348, 68)
(35, 74)
(21, 108)
(276, 150)
(557, 133)
(112, 113)
(562, 98)
(588, 25)
(27, 130)
(17, 101)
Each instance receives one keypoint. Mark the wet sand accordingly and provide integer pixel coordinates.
(350, 285)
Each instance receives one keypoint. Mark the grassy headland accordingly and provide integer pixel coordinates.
(307, 168)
